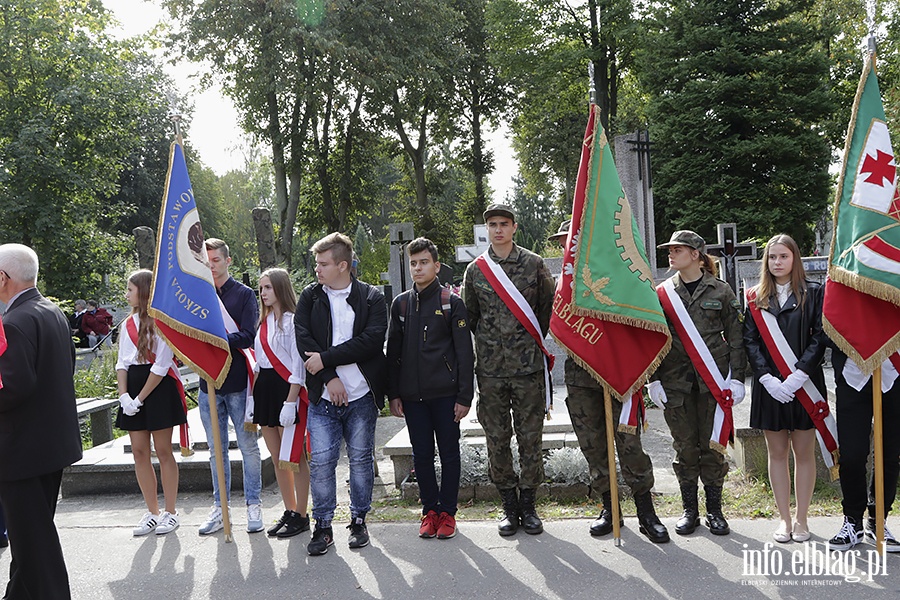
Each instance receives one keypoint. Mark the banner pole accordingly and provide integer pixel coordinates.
(217, 453)
(613, 475)
(878, 442)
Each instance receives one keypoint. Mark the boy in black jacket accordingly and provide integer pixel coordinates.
(431, 376)
(340, 324)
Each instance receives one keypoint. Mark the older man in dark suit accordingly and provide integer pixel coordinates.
(39, 433)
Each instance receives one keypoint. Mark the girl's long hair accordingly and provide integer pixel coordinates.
(285, 297)
(147, 330)
(766, 286)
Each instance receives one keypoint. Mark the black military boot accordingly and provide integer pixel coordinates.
(650, 524)
(531, 523)
(603, 525)
(715, 520)
(690, 518)
(510, 522)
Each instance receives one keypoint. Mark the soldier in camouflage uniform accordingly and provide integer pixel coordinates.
(587, 411)
(510, 368)
(689, 405)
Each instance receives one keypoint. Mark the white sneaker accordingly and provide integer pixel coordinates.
(254, 518)
(213, 521)
(168, 522)
(147, 525)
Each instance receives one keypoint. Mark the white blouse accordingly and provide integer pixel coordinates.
(128, 352)
(283, 342)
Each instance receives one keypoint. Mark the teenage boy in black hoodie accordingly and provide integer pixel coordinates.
(431, 372)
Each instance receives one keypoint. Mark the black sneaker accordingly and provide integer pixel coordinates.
(321, 539)
(296, 523)
(851, 534)
(359, 534)
(279, 524)
(890, 542)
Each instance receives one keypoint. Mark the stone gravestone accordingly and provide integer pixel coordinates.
(398, 273)
(265, 238)
(633, 165)
(730, 253)
(469, 253)
(145, 244)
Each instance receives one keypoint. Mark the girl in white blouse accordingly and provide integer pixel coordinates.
(280, 400)
(150, 405)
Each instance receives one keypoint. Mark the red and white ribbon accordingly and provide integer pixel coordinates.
(183, 435)
(516, 303)
(632, 416)
(292, 438)
(232, 327)
(702, 359)
(810, 398)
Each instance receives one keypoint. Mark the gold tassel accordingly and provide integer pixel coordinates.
(286, 465)
(187, 451)
(250, 427)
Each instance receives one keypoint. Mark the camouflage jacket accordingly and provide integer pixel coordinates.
(502, 346)
(717, 314)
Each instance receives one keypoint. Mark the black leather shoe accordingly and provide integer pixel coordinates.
(688, 523)
(690, 518)
(650, 524)
(296, 523)
(715, 520)
(509, 524)
(531, 523)
(603, 524)
(279, 524)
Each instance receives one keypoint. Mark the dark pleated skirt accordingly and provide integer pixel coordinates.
(161, 410)
(269, 393)
(769, 414)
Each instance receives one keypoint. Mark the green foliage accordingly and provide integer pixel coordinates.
(739, 94)
(72, 102)
(98, 380)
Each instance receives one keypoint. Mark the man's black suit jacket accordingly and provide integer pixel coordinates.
(39, 431)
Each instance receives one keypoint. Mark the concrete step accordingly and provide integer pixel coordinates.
(109, 468)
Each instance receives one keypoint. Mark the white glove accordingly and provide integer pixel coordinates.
(124, 400)
(657, 393)
(288, 414)
(775, 389)
(737, 391)
(132, 408)
(795, 381)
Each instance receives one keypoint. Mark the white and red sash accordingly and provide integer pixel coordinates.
(808, 395)
(184, 437)
(291, 452)
(702, 359)
(632, 415)
(250, 358)
(519, 307)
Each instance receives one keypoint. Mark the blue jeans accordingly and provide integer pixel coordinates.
(328, 425)
(233, 405)
(427, 420)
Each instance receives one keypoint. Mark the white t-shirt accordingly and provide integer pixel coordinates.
(342, 319)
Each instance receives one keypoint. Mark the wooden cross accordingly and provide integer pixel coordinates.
(730, 252)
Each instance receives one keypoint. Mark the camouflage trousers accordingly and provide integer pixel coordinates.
(690, 417)
(506, 404)
(588, 413)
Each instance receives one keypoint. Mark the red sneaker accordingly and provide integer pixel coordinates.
(430, 524)
(446, 526)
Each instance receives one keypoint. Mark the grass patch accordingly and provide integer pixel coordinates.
(744, 498)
